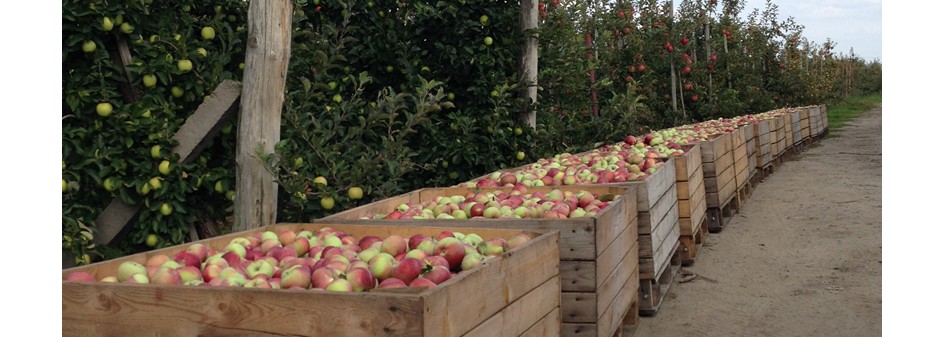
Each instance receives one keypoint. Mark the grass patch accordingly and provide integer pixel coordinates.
(839, 114)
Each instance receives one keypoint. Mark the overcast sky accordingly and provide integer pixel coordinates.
(856, 24)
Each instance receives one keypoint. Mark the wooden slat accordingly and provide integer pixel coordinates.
(588, 276)
(714, 183)
(648, 219)
(741, 171)
(684, 189)
(689, 207)
(590, 307)
(649, 243)
(548, 326)
(604, 327)
(653, 187)
(669, 237)
(713, 168)
(687, 226)
(519, 316)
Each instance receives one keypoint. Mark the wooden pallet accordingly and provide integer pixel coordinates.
(632, 320)
(653, 290)
(689, 245)
(719, 217)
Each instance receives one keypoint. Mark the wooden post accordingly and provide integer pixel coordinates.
(528, 68)
(269, 33)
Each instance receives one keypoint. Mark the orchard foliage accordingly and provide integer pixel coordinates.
(391, 96)
(119, 154)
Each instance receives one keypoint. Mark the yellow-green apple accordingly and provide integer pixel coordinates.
(189, 273)
(260, 267)
(129, 268)
(340, 285)
(382, 265)
(236, 248)
(109, 279)
(493, 246)
(470, 261)
(138, 278)
(269, 235)
(300, 245)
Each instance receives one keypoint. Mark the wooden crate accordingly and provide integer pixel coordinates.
(717, 162)
(805, 124)
(692, 213)
(598, 254)
(516, 293)
(788, 131)
(763, 143)
(779, 136)
(740, 153)
(823, 115)
(796, 136)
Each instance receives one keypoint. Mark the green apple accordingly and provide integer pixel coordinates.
(164, 167)
(336, 98)
(177, 91)
(126, 28)
(184, 65)
(166, 209)
(155, 183)
(202, 52)
(149, 80)
(110, 184)
(104, 109)
(156, 152)
(484, 19)
(487, 41)
(208, 33)
(328, 203)
(520, 155)
(355, 193)
(151, 240)
(107, 24)
(320, 180)
(129, 268)
(88, 46)
(65, 185)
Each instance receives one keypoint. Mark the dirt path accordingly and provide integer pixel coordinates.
(802, 257)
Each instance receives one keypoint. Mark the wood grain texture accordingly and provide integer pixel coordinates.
(268, 45)
(649, 219)
(588, 276)
(519, 316)
(548, 326)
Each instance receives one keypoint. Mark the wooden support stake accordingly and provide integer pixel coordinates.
(268, 42)
(528, 68)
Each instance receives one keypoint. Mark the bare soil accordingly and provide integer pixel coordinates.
(803, 257)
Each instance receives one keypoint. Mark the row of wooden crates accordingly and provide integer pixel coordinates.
(577, 277)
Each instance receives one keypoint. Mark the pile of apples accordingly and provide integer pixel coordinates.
(327, 259)
(599, 166)
(556, 204)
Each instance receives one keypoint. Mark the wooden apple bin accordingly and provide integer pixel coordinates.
(599, 255)
(515, 294)
(690, 194)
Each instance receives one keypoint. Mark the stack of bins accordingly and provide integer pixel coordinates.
(690, 192)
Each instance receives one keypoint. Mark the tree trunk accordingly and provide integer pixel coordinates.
(528, 68)
(267, 61)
